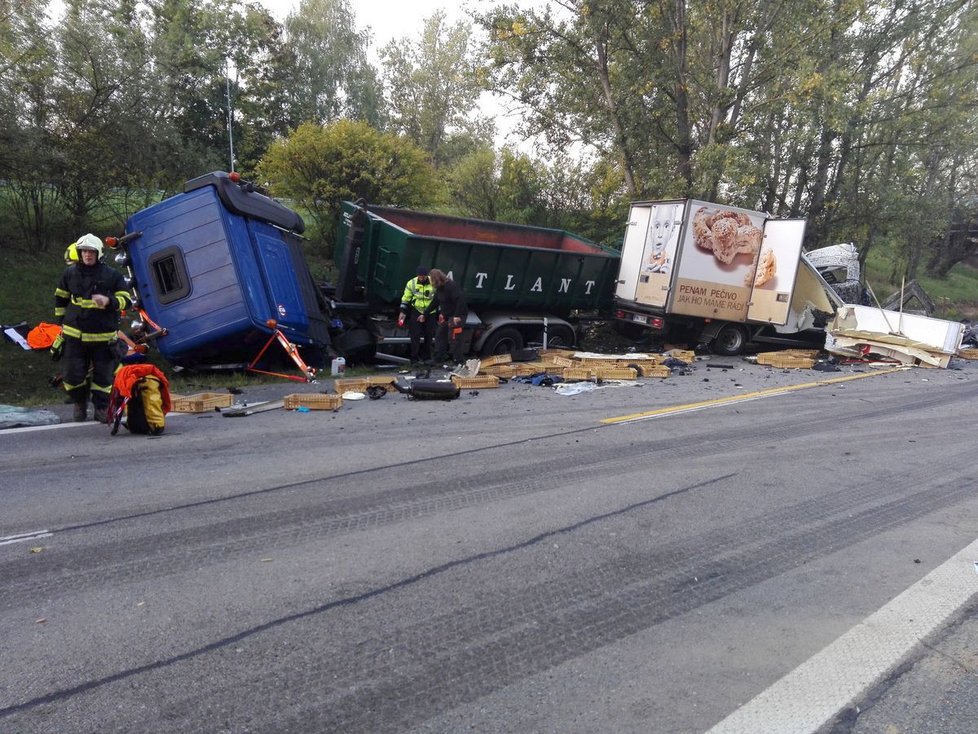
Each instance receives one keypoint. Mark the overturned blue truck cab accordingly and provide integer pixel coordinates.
(219, 272)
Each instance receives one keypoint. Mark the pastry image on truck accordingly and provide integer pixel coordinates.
(718, 275)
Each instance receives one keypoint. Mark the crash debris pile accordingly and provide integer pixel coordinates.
(573, 366)
(910, 339)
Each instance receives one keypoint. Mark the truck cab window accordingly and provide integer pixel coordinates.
(170, 275)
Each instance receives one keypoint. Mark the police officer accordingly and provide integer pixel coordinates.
(88, 302)
(417, 309)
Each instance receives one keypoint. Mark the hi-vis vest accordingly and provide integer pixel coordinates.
(417, 295)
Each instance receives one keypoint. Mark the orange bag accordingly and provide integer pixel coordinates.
(43, 335)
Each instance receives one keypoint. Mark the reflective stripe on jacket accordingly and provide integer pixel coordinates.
(417, 296)
(75, 309)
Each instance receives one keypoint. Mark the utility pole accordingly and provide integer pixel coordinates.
(227, 81)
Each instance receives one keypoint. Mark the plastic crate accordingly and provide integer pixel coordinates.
(313, 401)
(200, 402)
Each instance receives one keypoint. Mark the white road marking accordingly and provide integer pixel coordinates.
(24, 537)
(810, 695)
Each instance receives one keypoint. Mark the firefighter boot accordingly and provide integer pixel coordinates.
(81, 411)
(101, 411)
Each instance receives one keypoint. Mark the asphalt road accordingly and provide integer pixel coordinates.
(783, 546)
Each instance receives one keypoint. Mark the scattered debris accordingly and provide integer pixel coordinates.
(259, 407)
(860, 331)
(430, 389)
(12, 416)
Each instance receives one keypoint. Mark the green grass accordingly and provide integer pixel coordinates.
(27, 294)
(955, 297)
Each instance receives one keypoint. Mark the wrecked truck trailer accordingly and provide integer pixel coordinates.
(524, 285)
(218, 270)
(720, 276)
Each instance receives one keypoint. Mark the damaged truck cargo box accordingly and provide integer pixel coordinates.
(220, 269)
(858, 331)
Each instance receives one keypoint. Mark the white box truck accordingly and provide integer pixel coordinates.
(719, 276)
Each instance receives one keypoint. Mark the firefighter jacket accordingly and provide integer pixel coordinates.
(418, 296)
(75, 310)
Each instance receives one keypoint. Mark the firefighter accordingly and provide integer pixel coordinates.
(417, 309)
(88, 302)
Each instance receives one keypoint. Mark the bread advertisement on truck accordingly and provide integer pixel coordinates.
(718, 266)
(736, 265)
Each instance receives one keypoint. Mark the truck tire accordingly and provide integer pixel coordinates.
(560, 337)
(729, 341)
(504, 341)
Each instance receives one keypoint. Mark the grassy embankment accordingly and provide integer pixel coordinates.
(27, 294)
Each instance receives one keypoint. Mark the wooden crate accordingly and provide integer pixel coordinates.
(553, 360)
(968, 353)
(313, 401)
(525, 369)
(384, 381)
(479, 381)
(789, 358)
(642, 365)
(659, 371)
(200, 402)
(499, 370)
(496, 359)
(686, 355)
(577, 373)
(350, 384)
(615, 373)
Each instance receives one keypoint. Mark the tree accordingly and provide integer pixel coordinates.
(331, 75)
(432, 87)
(319, 167)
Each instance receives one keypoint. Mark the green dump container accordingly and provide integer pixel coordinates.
(534, 269)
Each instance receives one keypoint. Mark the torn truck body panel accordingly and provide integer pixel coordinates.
(813, 301)
(220, 267)
(909, 338)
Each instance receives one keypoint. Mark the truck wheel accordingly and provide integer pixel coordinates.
(729, 341)
(504, 341)
(559, 337)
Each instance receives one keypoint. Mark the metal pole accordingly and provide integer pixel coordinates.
(227, 80)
